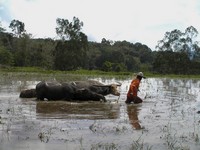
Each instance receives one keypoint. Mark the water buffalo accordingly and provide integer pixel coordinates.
(78, 90)
(54, 91)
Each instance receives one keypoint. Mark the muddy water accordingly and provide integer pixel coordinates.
(167, 119)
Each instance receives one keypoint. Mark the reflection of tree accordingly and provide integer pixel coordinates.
(132, 111)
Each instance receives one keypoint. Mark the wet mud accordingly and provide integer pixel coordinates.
(167, 119)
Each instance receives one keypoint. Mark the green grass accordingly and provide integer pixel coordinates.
(44, 71)
(35, 73)
(89, 73)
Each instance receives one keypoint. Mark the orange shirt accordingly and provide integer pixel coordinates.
(134, 86)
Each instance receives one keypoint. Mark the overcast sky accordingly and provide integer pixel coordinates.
(144, 21)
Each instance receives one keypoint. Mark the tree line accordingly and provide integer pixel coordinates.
(177, 53)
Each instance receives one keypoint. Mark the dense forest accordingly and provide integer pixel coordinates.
(176, 53)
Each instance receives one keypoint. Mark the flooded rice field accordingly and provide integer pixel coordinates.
(169, 118)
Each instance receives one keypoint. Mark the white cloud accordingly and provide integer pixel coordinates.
(143, 21)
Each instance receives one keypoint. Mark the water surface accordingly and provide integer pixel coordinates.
(167, 119)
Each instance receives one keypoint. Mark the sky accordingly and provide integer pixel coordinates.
(144, 21)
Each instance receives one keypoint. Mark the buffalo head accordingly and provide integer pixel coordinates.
(110, 89)
(114, 90)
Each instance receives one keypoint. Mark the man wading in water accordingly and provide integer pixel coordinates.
(133, 89)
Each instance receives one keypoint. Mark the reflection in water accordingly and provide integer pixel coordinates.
(82, 110)
(132, 111)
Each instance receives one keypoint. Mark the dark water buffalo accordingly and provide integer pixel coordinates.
(54, 91)
(78, 90)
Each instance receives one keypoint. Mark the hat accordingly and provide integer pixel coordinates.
(141, 75)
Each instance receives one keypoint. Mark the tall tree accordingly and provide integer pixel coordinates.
(177, 41)
(190, 45)
(74, 47)
(22, 50)
(171, 41)
(17, 27)
(69, 30)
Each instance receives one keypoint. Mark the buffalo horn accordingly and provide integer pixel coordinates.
(101, 85)
(119, 84)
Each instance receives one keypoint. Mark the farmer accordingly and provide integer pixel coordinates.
(133, 89)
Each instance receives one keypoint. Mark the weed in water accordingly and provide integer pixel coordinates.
(105, 146)
(137, 144)
(45, 135)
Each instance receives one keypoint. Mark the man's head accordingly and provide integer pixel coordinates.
(140, 75)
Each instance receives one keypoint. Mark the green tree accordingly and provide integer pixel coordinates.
(107, 66)
(132, 63)
(93, 54)
(119, 67)
(172, 41)
(144, 53)
(167, 62)
(22, 50)
(177, 41)
(6, 57)
(106, 42)
(60, 55)
(17, 27)
(180, 50)
(69, 30)
(191, 46)
(73, 47)
(39, 53)
(5, 38)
